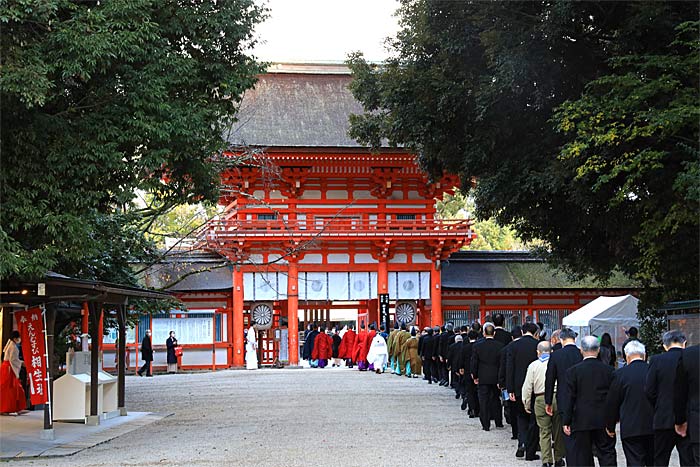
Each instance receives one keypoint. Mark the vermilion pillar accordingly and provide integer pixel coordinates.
(293, 312)
(238, 349)
(383, 277)
(85, 314)
(435, 295)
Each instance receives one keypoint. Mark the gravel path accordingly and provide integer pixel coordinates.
(337, 417)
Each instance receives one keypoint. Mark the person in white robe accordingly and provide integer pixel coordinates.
(251, 349)
(378, 354)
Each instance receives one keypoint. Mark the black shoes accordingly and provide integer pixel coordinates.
(457, 396)
(546, 464)
(499, 425)
(559, 463)
(464, 405)
(533, 458)
(520, 452)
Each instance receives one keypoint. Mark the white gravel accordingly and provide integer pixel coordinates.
(305, 417)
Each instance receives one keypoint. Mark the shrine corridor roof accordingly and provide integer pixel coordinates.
(464, 270)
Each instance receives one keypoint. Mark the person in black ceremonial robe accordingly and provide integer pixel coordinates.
(559, 363)
(661, 380)
(308, 348)
(584, 415)
(484, 369)
(521, 354)
(627, 403)
(686, 399)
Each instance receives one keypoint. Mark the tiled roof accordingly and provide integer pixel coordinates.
(514, 270)
(464, 270)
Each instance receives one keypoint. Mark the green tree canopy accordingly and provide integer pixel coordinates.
(100, 99)
(579, 120)
(489, 235)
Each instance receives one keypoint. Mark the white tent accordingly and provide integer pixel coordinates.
(613, 315)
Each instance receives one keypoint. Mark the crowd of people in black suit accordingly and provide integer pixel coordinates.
(565, 400)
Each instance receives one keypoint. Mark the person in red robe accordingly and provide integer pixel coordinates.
(368, 343)
(360, 351)
(347, 346)
(12, 397)
(323, 348)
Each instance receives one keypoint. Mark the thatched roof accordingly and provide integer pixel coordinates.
(297, 106)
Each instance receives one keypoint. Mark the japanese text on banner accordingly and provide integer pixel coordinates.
(31, 328)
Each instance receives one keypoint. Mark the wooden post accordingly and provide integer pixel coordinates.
(95, 317)
(100, 331)
(121, 359)
(238, 349)
(50, 317)
(293, 313)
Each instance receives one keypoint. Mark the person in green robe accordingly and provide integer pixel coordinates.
(401, 338)
(393, 361)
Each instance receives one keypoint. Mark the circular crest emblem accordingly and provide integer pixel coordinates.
(405, 313)
(262, 315)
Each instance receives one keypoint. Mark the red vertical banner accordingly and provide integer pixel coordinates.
(31, 328)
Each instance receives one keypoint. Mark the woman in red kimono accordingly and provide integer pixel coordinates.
(323, 348)
(12, 397)
(347, 346)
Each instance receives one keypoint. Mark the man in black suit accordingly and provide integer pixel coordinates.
(522, 353)
(427, 354)
(686, 399)
(435, 361)
(146, 354)
(469, 390)
(447, 338)
(454, 356)
(509, 409)
(659, 386)
(584, 415)
(627, 403)
(632, 335)
(501, 334)
(484, 370)
(559, 363)
(555, 340)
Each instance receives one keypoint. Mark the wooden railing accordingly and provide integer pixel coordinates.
(338, 224)
(333, 225)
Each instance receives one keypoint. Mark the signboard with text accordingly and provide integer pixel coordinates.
(31, 328)
(384, 310)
